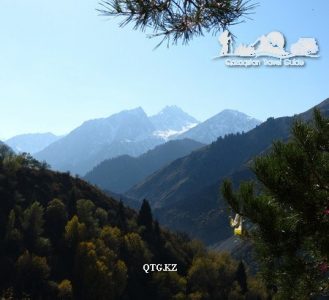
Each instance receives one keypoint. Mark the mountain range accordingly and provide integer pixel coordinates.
(128, 132)
(121, 173)
(184, 194)
(132, 133)
(183, 185)
(226, 122)
(31, 143)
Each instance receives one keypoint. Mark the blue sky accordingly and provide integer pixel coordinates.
(62, 64)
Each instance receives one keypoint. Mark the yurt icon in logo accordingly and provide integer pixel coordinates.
(271, 45)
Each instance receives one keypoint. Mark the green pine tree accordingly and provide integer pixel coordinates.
(121, 217)
(145, 217)
(241, 277)
(289, 210)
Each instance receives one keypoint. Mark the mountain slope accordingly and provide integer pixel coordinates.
(5, 150)
(204, 166)
(185, 193)
(128, 132)
(31, 143)
(121, 173)
(226, 122)
(61, 238)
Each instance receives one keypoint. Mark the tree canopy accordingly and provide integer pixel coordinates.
(61, 238)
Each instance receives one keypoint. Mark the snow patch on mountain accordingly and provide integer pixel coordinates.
(171, 134)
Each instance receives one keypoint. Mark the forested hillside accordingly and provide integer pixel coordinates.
(121, 173)
(185, 193)
(61, 238)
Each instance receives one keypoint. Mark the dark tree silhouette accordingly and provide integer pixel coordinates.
(241, 277)
(145, 217)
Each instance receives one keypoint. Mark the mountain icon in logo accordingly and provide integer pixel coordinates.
(270, 45)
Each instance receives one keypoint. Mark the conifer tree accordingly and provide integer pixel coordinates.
(289, 210)
(145, 217)
(241, 277)
(121, 217)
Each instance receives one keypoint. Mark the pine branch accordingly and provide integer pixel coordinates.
(176, 20)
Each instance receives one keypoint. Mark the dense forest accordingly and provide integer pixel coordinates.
(61, 238)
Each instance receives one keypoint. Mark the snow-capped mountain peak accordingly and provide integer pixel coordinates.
(225, 122)
(172, 118)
